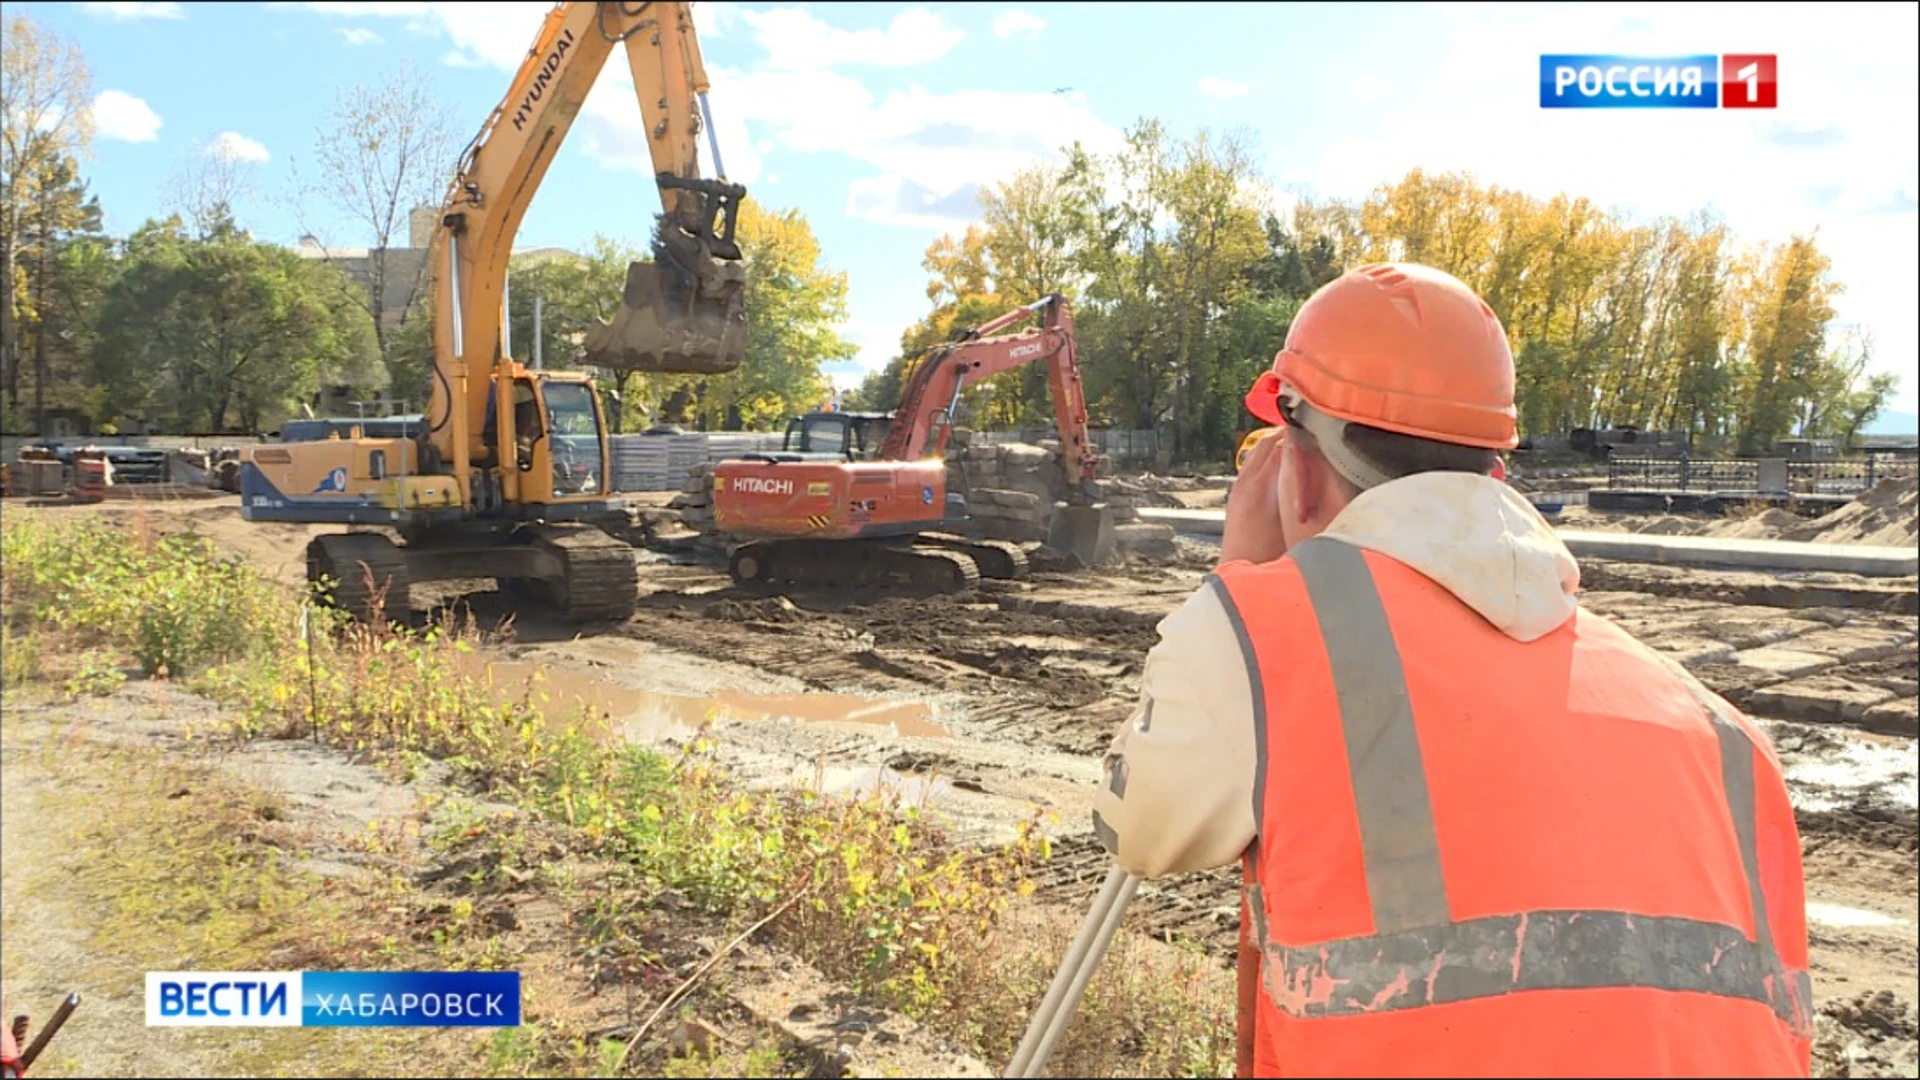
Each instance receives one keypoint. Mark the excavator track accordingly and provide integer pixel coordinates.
(601, 583)
(1001, 559)
(363, 568)
(853, 564)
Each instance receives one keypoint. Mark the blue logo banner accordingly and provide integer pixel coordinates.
(333, 999)
(1575, 81)
(410, 999)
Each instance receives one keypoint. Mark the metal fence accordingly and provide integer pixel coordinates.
(1127, 448)
(1753, 475)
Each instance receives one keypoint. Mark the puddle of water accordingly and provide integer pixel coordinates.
(1856, 766)
(1839, 915)
(858, 783)
(650, 715)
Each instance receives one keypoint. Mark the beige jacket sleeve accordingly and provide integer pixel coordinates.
(1177, 786)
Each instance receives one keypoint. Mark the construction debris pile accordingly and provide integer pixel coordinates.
(1887, 515)
(1011, 490)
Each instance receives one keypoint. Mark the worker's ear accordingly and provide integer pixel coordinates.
(1295, 476)
(1309, 491)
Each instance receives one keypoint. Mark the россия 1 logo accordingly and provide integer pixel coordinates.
(1705, 81)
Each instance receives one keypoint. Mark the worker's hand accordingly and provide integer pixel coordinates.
(1252, 531)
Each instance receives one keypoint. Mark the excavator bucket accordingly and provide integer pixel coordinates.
(656, 330)
(1083, 533)
(684, 312)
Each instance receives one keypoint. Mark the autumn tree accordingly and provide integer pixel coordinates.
(206, 188)
(46, 126)
(795, 306)
(382, 151)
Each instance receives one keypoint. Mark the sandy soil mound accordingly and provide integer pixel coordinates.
(1887, 515)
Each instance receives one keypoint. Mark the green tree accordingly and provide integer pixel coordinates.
(199, 333)
(61, 224)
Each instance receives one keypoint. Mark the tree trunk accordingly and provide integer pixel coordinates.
(40, 323)
(9, 333)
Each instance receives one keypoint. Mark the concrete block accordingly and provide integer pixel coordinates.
(1144, 539)
(1014, 500)
(1021, 456)
(1854, 644)
(1785, 663)
(1693, 650)
(1901, 716)
(1759, 633)
(1820, 699)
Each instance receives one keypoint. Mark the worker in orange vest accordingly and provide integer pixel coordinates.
(1483, 831)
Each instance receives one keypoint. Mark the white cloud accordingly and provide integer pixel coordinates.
(1215, 86)
(371, 10)
(125, 12)
(710, 20)
(1014, 22)
(233, 146)
(879, 343)
(359, 35)
(798, 41)
(1819, 161)
(118, 115)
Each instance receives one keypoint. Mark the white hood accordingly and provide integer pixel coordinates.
(1478, 538)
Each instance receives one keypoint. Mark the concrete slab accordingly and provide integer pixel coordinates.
(1896, 717)
(1675, 550)
(1820, 699)
(1745, 554)
(1785, 663)
(1854, 644)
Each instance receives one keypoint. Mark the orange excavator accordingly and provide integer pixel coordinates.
(817, 514)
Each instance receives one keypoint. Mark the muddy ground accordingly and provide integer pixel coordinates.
(1004, 699)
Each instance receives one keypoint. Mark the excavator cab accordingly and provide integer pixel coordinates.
(559, 436)
(845, 435)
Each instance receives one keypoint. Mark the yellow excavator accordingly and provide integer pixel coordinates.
(510, 465)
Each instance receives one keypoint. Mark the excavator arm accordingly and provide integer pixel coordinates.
(925, 418)
(684, 312)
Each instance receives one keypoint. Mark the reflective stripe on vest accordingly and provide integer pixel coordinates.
(1418, 955)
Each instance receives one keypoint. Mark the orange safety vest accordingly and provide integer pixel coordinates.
(1483, 857)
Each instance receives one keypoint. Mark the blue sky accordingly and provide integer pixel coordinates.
(879, 120)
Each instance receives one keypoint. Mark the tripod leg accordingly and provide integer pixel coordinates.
(1069, 967)
(1063, 1013)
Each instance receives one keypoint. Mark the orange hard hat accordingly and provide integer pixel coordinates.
(1401, 347)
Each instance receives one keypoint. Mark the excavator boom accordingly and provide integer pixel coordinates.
(924, 419)
(683, 312)
(512, 472)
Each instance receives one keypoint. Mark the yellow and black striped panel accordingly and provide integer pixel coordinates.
(819, 521)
